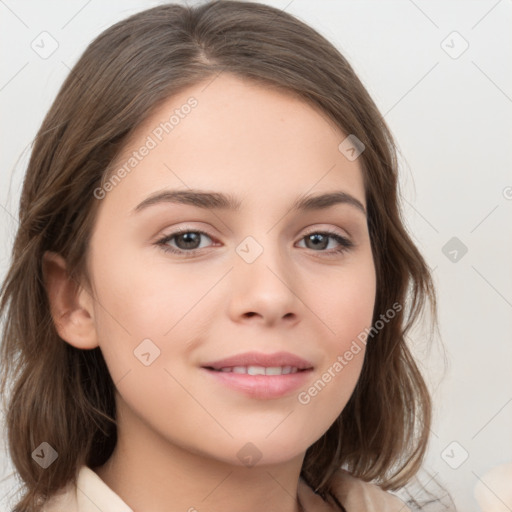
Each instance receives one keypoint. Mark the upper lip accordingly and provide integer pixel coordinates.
(260, 359)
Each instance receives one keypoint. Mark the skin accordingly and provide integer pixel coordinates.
(179, 429)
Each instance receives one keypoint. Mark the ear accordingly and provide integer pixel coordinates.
(71, 305)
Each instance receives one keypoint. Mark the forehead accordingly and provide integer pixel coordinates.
(240, 136)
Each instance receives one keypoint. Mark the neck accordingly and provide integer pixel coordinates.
(150, 473)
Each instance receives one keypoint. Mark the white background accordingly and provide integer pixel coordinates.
(452, 119)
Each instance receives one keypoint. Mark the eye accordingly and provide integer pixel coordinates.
(187, 241)
(320, 240)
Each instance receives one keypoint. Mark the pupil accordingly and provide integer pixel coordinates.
(190, 238)
(317, 239)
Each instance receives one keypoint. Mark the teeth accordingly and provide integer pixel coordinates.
(256, 370)
(261, 370)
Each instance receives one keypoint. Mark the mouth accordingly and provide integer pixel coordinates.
(258, 370)
(262, 376)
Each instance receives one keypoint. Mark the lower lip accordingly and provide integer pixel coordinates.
(262, 386)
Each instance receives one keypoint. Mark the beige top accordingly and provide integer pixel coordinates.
(92, 495)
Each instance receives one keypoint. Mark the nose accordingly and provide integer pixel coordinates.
(263, 284)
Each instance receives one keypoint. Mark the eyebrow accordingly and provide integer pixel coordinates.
(221, 201)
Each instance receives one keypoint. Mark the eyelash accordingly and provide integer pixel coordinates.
(345, 243)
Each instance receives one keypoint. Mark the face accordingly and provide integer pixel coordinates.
(183, 282)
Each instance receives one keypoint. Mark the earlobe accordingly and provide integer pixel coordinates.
(71, 305)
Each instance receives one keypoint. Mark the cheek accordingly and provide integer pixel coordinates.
(345, 302)
(139, 294)
(346, 309)
(146, 313)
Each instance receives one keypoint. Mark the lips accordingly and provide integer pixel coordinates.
(260, 376)
(259, 360)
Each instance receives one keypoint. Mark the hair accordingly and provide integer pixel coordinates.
(65, 396)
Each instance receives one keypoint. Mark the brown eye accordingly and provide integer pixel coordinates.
(185, 240)
(319, 241)
(189, 240)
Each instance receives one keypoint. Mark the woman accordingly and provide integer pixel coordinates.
(252, 372)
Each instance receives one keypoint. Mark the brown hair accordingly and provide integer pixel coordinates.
(65, 396)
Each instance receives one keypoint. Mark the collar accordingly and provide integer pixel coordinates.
(93, 494)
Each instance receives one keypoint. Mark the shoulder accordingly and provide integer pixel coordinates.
(356, 494)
